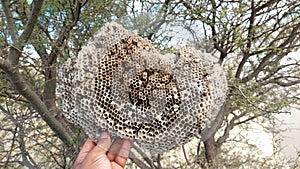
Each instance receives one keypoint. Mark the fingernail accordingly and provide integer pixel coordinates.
(104, 135)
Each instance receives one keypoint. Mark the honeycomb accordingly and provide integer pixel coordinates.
(121, 84)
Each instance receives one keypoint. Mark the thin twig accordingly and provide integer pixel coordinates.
(11, 148)
(158, 161)
(137, 161)
(24, 153)
(185, 155)
(145, 157)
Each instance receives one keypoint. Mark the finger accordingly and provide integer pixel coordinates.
(97, 155)
(103, 144)
(122, 157)
(114, 165)
(86, 148)
(114, 149)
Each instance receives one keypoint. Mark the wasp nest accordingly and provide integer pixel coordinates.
(120, 83)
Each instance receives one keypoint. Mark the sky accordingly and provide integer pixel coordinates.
(291, 137)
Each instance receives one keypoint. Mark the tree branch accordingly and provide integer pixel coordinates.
(293, 35)
(144, 155)
(11, 147)
(267, 4)
(210, 131)
(249, 41)
(139, 163)
(9, 19)
(50, 60)
(275, 70)
(215, 33)
(281, 83)
(20, 134)
(36, 8)
(185, 155)
(19, 43)
(225, 135)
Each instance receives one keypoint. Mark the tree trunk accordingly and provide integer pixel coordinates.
(212, 151)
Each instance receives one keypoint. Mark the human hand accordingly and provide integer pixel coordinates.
(103, 155)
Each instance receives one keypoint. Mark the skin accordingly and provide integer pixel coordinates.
(103, 155)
